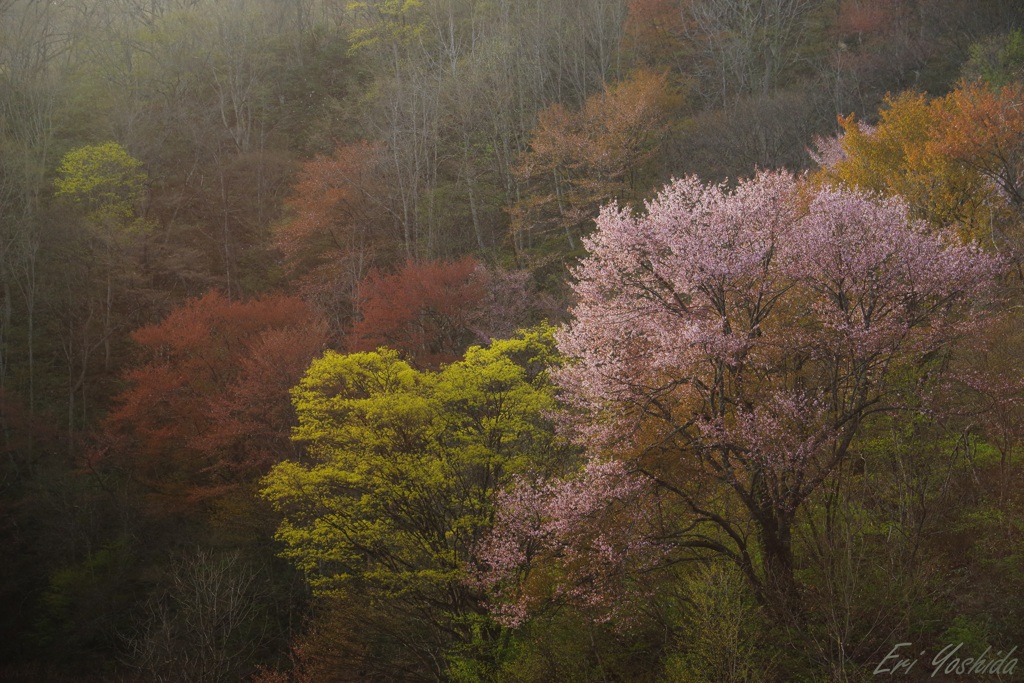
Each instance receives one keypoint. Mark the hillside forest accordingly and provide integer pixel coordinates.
(677, 341)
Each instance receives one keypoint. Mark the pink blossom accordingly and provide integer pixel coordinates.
(567, 522)
(728, 344)
(828, 151)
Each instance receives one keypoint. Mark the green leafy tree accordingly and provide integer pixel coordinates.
(998, 61)
(106, 180)
(103, 186)
(404, 467)
(391, 23)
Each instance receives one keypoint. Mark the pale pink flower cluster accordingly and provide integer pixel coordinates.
(785, 431)
(660, 294)
(877, 282)
(577, 525)
(1004, 389)
(747, 331)
(748, 281)
(827, 150)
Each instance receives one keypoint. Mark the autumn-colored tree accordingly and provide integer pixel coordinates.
(981, 130)
(338, 228)
(956, 160)
(332, 203)
(581, 159)
(433, 311)
(729, 349)
(208, 408)
(896, 157)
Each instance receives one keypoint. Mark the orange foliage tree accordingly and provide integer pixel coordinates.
(339, 228)
(982, 129)
(897, 157)
(958, 160)
(579, 160)
(209, 409)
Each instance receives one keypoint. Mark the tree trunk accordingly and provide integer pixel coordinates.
(781, 594)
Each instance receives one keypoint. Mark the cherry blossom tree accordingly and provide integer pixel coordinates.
(730, 346)
(597, 530)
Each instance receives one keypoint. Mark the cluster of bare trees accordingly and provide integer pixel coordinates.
(460, 85)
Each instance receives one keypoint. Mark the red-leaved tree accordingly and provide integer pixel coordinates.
(730, 346)
(432, 311)
(209, 408)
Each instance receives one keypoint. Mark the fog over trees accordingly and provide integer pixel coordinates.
(510, 340)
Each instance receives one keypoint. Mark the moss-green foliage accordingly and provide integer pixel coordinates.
(391, 22)
(724, 634)
(998, 60)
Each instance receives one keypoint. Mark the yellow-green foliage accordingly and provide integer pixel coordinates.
(404, 465)
(105, 179)
(725, 631)
(389, 22)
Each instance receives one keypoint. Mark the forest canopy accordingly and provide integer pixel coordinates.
(453, 340)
